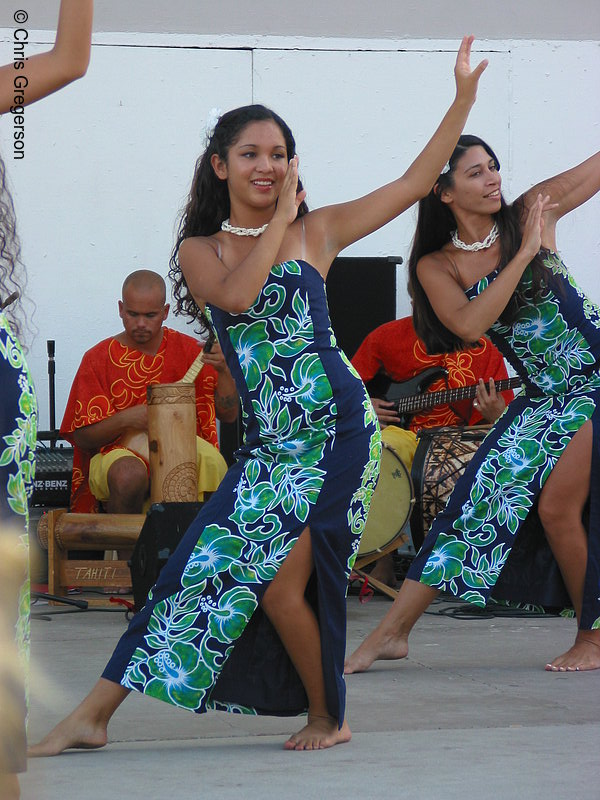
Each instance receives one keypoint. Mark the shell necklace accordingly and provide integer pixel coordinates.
(475, 246)
(228, 228)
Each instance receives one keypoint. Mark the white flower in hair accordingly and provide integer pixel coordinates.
(214, 115)
(446, 168)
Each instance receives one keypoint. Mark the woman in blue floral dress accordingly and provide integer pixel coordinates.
(481, 265)
(17, 449)
(22, 83)
(249, 613)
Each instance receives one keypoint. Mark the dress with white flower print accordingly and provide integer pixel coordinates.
(18, 421)
(554, 345)
(310, 458)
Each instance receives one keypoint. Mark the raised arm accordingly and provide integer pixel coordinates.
(568, 190)
(470, 319)
(25, 81)
(348, 222)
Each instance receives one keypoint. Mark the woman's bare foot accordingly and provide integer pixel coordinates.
(378, 645)
(319, 733)
(9, 786)
(75, 731)
(86, 726)
(583, 656)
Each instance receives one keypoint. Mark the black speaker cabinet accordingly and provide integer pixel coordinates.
(165, 525)
(361, 293)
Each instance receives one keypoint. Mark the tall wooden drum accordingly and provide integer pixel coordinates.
(172, 442)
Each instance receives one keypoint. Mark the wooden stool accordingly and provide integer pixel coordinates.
(59, 532)
(170, 449)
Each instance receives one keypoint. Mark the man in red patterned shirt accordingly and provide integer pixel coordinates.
(108, 399)
(394, 352)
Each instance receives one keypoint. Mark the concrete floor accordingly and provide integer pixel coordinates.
(469, 714)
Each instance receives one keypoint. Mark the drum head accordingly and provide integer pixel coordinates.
(390, 506)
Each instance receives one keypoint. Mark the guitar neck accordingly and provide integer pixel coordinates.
(194, 370)
(412, 404)
(195, 367)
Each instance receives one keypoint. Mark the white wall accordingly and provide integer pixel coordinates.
(108, 161)
(573, 20)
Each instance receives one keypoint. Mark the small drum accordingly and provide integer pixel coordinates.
(441, 457)
(390, 509)
(172, 442)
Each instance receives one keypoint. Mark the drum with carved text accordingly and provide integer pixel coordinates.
(172, 443)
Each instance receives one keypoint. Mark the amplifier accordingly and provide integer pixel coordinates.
(53, 470)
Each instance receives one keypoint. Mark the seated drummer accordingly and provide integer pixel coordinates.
(394, 351)
(108, 399)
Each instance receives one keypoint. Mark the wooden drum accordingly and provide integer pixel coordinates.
(172, 443)
(442, 456)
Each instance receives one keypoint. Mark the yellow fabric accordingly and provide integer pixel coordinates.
(211, 468)
(404, 443)
(99, 466)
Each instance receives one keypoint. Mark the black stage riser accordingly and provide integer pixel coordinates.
(165, 526)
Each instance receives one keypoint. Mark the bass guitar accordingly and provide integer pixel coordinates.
(411, 396)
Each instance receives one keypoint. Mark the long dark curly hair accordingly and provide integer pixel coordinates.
(435, 225)
(208, 201)
(12, 272)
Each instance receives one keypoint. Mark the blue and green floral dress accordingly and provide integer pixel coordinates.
(310, 457)
(18, 420)
(554, 345)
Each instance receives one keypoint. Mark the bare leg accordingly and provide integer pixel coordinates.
(560, 508)
(389, 640)
(128, 486)
(86, 726)
(9, 786)
(294, 620)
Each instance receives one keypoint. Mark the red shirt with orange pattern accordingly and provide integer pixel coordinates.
(395, 350)
(113, 377)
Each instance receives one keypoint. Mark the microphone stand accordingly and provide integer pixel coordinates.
(50, 345)
(52, 436)
(67, 601)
